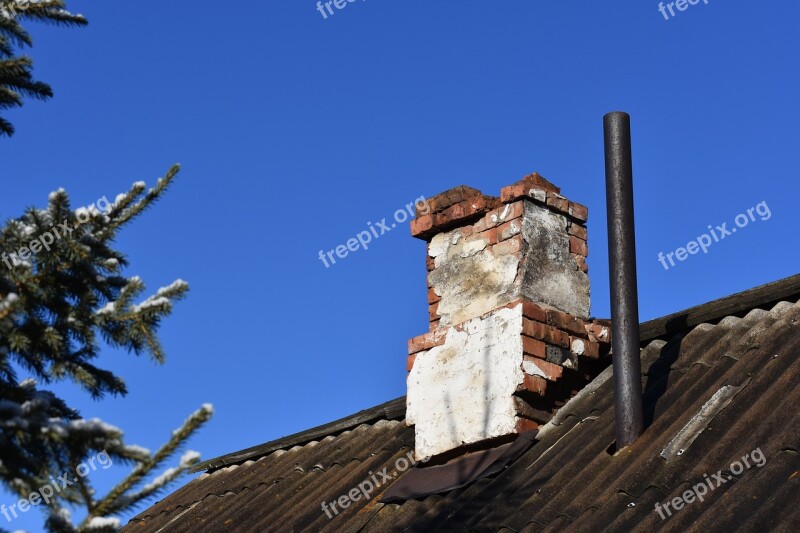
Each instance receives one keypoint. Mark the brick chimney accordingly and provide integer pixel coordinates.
(510, 337)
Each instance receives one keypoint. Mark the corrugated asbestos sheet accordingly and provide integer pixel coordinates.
(720, 390)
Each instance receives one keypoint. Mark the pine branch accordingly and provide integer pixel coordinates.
(55, 306)
(160, 483)
(115, 500)
(16, 79)
(125, 212)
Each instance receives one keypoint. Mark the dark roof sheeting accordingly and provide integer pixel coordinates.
(567, 480)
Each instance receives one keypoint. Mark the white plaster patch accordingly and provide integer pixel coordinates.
(439, 244)
(578, 347)
(468, 248)
(538, 194)
(472, 281)
(530, 368)
(462, 392)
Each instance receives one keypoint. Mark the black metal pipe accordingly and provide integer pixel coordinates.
(622, 273)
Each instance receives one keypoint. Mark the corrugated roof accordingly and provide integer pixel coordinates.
(568, 480)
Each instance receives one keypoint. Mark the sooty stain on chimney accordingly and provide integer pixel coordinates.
(546, 279)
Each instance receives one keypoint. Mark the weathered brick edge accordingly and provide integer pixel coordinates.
(450, 209)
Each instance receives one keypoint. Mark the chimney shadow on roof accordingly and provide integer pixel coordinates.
(658, 373)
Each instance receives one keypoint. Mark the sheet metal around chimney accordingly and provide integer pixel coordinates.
(622, 273)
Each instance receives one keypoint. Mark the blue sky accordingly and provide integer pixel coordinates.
(294, 131)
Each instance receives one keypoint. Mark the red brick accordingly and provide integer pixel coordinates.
(432, 311)
(429, 263)
(504, 214)
(454, 195)
(522, 188)
(599, 332)
(482, 224)
(490, 236)
(517, 209)
(578, 246)
(533, 329)
(545, 333)
(435, 324)
(484, 204)
(581, 262)
(539, 181)
(432, 207)
(421, 225)
(553, 372)
(556, 337)
(578, 231)
(575, 326)
(509, 229)
(452, 214)
(467, 208)
(512, 304)
(445, 199)
(534, 384)
(508, 246)
(524, 425)
(410, 362)
(557, 318)
(425, 207)
(581, 212)
(533, 347)
(534, 312)
(447, 209)
(593, 349)
(433, 297)
(558, 202)
(427, 341)
(513, 192)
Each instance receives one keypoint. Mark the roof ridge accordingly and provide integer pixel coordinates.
(738, 304)
(391, 410)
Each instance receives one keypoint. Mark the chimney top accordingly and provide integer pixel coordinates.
(462, 204)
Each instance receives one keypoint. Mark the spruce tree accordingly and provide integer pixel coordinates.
(63, 295)
(16, 78)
